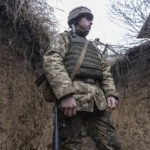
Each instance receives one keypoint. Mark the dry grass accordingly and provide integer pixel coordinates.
(122, 65)
(34, 20)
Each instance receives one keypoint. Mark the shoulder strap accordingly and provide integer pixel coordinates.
(77, 67)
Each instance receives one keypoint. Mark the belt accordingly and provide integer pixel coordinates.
(88, 80)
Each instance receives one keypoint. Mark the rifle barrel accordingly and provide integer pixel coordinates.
(56, 131)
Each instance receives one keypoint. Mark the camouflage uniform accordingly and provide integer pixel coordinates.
(89, 98)
(61, 84)
(79, 132)
(92, 119)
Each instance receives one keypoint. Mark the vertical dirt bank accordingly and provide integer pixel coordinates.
(132, 118)
(25, 118)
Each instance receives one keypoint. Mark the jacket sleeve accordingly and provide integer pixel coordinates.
(54, 68)
(107, 80)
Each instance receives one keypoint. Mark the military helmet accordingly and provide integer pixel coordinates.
(77, 12)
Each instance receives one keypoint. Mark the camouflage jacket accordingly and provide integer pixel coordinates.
(85, 94)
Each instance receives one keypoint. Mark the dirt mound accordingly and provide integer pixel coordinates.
(132, 118)
(26, 29)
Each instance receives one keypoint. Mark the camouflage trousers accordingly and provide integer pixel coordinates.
(87, 131)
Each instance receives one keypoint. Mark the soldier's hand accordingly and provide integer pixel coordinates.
(68, 106)
(112, 102)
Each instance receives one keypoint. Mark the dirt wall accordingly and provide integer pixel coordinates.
(25, 118)
(132, 118)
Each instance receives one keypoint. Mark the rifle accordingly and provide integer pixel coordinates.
(38, 82)
(56, 131)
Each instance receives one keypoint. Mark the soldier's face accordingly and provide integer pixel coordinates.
(84, 24)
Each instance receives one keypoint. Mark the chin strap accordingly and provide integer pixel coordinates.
(73, 30)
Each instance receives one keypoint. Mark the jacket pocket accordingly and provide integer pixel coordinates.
(99, 97)
(83, 96)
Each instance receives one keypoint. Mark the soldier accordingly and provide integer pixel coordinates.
(85, 96)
